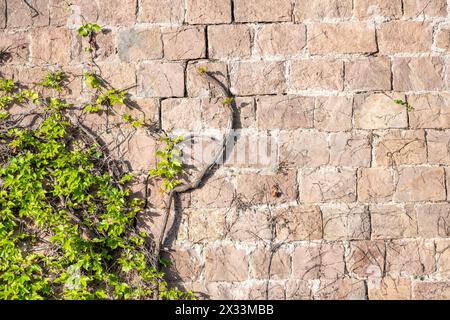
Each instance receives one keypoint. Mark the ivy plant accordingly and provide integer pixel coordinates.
(404, 103)
(88, 29)
(169, 167)
(54, 80)
(67, 224)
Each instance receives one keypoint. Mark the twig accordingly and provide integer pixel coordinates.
(35, 12)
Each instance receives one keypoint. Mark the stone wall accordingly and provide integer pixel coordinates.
(353, 203)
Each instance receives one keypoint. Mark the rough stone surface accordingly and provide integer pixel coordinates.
(20, 15)
(208, 11)
(161, 11)
(47, 46)
(116, 12)
(299, 223)
(350, 149)
(366, 258)
(61, 14)
(443, 257)
(226, 263)
(367, 9)
(442, 40)
(161, 80)
(410, 257)
(19, 40)
(316, 75)
(184, 43)
(333, 113)
(438, 143)
(137, 148)
(205, 226)
(379, 111)
(433, 220)
(185, 265)
(250, 225)
(439, 290)
(196, 84)
(341, 289)
(3, 14)
(280, 40)
(378, 71)
(140, 44)
(318, 10)
(108, 47)
(284, 112)
(405, 36)
(324, 185)
(420, 184)
(389, 288)
(119, 75)
(397, 147)
(181, 114)
(229, 41)
(248, 78)
(262, 11)
(415, 74)
(375, 185)
(345, 222)
(318, 261)
(311, 149)
(424, 8)
(430, 111)
(346, 37)
(254, 149)
(279, 261)
(259, 188)
(214, 117)
(218, 193)
(392, 221)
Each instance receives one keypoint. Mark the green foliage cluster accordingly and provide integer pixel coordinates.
(11, 94)
(67, 225)
(88, 29)
(54, 80)
(405, 104)
(107, 98)
(169, 166)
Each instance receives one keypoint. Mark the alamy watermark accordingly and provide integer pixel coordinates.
(244, 147)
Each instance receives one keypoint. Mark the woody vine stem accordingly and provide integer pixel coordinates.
(230, 105)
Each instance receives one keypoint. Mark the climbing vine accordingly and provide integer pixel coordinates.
(68, 219)
(169, 166)
(67, 223)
